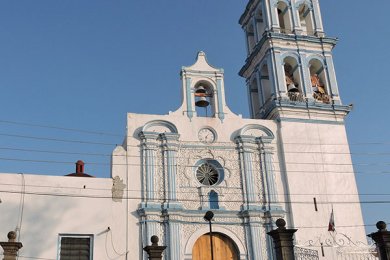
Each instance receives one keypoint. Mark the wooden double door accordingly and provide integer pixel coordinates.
(224, 248)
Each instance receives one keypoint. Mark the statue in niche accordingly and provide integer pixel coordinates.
(319, 89)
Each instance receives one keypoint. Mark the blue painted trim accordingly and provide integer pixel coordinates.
(262, 128)
(190, 112)
(203, 146)
(221, 114)
(300, 51)
(315, 56)
(305, 2)
(268, 35)
(171, 127)
(311, 121)
(203, 72)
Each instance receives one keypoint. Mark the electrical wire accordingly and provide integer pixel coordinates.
(233, 144)
(18, 228)
(190, 192)
(218, 168)
(56, 139)
(58, 128)
(119, 135)
(137, 156)
(193, 200)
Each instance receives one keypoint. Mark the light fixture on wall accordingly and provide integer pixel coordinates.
(208, 217)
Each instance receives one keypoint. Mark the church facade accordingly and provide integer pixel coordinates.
(290, 160)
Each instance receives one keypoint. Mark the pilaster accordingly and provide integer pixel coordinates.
(259, 88)
(169, 147)
(149, 146)
(253, 225)
(189, 99)
(220, 100)
(173, 234)
(271, 9)
(268, 175)
(246, 148)
(319, 28)
(295, 16)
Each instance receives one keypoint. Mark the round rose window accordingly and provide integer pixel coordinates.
(207, 174)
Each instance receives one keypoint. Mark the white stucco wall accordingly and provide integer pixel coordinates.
(45, 206)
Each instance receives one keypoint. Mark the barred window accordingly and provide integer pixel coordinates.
(75, 247)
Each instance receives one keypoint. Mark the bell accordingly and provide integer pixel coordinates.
(200, 90)
(202, 102)
(292, 88)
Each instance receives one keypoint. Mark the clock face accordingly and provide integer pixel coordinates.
(206, 135)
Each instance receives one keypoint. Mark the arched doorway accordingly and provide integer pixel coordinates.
(224, 248)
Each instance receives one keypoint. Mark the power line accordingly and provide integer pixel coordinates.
(56, 139)
(117, 155)
(59, 128)
(218, 168)
(190, 192)
(118, 135)
(303, 143)
(141, 198)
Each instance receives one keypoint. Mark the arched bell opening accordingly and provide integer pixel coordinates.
(265, 84)
(306, 19)
(318, 81)
(223, 248)
(254, 98)
(260, 24)
(250, 34)
(204, 100)
(293, 81)
(284, 17)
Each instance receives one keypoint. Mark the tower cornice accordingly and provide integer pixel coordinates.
(271, 39)
(248, 10)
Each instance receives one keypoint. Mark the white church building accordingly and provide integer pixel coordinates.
(290, 160)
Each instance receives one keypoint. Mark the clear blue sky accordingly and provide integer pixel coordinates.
(85, 64)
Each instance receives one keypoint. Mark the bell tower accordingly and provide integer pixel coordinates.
(289, 68)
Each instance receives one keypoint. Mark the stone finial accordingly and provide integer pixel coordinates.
(154, 251)
(381, 226)
(382, 240)
(154, 240)
(280, 223)
(11, 236)
(283, 241)
(11, 247)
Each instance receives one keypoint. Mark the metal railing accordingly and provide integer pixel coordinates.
(296, 97)
(305, 254)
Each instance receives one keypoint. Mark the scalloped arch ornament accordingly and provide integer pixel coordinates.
(160, 126)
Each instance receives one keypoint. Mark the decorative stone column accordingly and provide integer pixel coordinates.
(259, 88)
(273, 19)
(283, 240)
(254, 233)
(149, 147)
(268, 174)
(382, 240)
(173, 235)
(246, 148)
(319, 28)
(154, 251)
(11, 247)
(295, 19)
(169, 147)
(171, 206)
